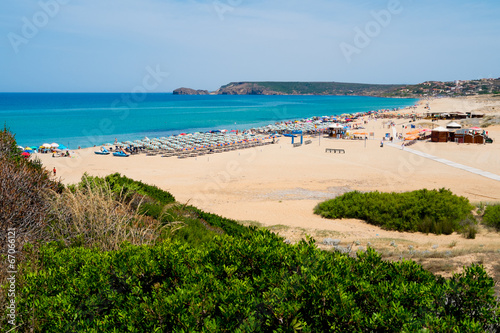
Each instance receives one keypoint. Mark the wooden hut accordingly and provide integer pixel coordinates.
(469, 136)
(439, 134)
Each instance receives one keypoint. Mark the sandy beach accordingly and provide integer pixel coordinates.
(278, 186)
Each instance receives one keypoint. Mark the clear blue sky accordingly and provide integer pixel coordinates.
(108, 46)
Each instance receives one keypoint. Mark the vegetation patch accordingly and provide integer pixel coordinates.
(491, 216)
(252, 284)
(435, 211)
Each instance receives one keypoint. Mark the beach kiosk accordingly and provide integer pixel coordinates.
(336, 131)
(439, 134)
(470, 135)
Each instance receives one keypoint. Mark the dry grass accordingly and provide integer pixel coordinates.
(93, 217)
(251, 224)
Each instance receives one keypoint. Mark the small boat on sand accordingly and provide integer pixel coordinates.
(120, 154)
(103, 151)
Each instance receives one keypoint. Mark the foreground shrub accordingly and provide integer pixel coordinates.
(228, 226)
(122, 184)
(438, 212)
(92, 216)
(252, 284)
(23, 205)
(491, 216)
(125, 188)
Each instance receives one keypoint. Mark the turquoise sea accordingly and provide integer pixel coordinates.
(88, 119)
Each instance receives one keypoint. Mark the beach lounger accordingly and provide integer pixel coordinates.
(333, 150)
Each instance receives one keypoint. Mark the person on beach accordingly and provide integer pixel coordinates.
(402, 146)
(381, 143)
(54, 171)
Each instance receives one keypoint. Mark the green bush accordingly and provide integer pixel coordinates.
(190, 224)
(491, 216)
(229, 227)
(438, 212)
(252, 284)
(123, 184)
(126, 188)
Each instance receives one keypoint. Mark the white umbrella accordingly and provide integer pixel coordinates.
(54, 145)
(20, 147)
(453, 125)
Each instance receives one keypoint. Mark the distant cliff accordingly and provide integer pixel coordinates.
(188, 91)
(426, 89)
(305, 88)
(295, 88)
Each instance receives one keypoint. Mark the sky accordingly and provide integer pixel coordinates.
(161, 45)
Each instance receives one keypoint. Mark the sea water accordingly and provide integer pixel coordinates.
(88, 119)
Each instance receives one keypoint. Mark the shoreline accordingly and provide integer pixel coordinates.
(169, 123)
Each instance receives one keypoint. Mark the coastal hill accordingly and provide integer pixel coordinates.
(188, 91)
(298, 88)
(425, 89)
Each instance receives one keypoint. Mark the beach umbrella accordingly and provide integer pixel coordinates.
(25, 154)
(20, 147)
(54, 145)
(46, 145)
(28, 148)
(63, 147)
(453, 125)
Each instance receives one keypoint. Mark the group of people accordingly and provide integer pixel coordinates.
(66, 154)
